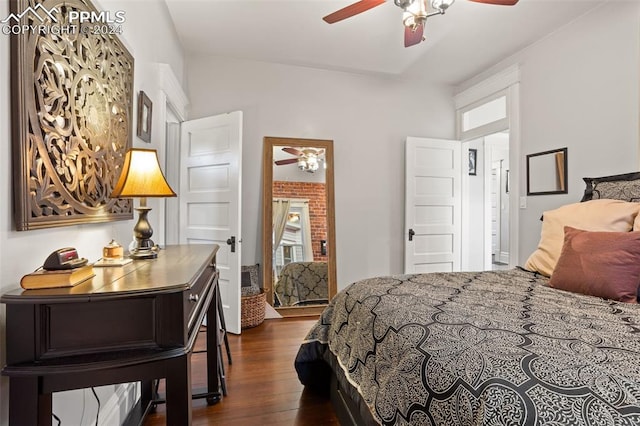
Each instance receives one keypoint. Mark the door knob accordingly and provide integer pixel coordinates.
(232, 242)
(411, 234)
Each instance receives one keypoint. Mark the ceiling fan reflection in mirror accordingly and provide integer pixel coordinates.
(307, 159)
(414, 16)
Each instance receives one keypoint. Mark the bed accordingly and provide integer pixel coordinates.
(303, 283)
(511, 347)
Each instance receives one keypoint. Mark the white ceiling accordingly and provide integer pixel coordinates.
(468, 39)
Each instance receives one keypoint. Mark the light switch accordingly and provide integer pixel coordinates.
(523, 202)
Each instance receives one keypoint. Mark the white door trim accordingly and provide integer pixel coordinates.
(509, 80)
(485, 88)
(172, 92)
(516, 165)
(169, 95)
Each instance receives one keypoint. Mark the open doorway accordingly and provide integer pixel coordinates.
(497, 201)
(488, 110)
(486, 203)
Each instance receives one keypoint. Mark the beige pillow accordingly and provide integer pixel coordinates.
(636, 224)
(594, 215)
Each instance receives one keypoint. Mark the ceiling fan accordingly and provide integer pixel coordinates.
(308, 159)
(414, 17)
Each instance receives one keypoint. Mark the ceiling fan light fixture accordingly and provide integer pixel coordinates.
(308, 163)
(415, 14)
(414, 18)
(418, 8)
(408, 20)
(403, 4)
(312, 164)
(441, 4)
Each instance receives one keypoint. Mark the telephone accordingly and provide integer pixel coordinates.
(64, 258)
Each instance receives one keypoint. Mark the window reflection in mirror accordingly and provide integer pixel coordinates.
(298, 206)
(547, 172)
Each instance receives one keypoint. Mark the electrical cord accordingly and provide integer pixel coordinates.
(98, 400)
(57, 418)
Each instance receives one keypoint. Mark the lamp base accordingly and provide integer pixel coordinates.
(143, 254)
(143, 249)
(140, 255)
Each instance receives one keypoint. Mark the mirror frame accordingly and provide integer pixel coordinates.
(562, 174)
(269, 143)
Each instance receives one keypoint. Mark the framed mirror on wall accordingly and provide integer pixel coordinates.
(547, 172)
(298, 239)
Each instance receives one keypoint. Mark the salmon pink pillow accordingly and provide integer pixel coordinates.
(603, 264)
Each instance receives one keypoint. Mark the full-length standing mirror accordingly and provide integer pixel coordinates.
(298, 239)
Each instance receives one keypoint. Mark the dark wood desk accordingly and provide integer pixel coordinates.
(134, 323)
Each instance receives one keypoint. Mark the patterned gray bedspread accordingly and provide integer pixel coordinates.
(482, 348)
(303, 283)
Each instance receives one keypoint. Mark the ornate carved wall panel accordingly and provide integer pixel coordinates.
(72, 98)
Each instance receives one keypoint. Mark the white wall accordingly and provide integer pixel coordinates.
(579, 89)
(473, 214)
(367, 117)
(149, 35)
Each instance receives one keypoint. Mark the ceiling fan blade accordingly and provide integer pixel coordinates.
(498, 2)
(413, 36)
(351, 10)
(291, 150)
(287, 161)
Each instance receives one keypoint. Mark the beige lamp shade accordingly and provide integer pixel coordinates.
(141, 176)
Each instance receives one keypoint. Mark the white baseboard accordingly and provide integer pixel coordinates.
(504, 257)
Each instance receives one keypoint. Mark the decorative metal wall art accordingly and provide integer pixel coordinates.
(72, 94)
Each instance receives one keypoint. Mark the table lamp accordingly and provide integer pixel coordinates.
(141, 177)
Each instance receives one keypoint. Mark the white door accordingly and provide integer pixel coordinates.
(210, 201)
(433, 219)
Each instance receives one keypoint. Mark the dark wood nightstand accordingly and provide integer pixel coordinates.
(133, 323)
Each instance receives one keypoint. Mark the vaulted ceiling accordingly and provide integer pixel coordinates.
(468, 39)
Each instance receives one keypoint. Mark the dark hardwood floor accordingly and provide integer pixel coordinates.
(262, 385)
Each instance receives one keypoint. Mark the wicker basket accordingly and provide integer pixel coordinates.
(252, 310)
